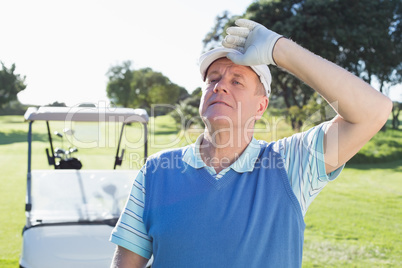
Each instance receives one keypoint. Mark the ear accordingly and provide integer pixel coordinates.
(261, 107)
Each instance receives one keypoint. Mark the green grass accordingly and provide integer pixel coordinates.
(385, 147)
(355, 221)
(13, 163)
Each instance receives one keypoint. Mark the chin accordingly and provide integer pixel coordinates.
(219, 120)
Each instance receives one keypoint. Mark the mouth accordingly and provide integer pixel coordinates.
(219, 103)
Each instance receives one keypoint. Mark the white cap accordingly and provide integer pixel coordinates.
(209, 57)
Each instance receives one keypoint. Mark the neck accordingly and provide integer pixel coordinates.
(220, 149)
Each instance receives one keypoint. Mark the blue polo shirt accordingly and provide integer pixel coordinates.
(302, 154)
(245, 162)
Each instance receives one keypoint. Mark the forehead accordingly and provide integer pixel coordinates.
(225, 63)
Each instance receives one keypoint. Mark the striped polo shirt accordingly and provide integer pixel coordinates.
(303, 156)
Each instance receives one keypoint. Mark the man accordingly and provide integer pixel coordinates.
(232, 201)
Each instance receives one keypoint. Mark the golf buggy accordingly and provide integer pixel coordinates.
(70, 210)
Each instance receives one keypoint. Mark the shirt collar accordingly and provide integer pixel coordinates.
(245, 163)
(192, 154)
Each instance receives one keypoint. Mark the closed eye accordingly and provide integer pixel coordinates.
(236, 82)
(212, 81)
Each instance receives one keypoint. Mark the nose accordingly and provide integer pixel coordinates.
(220, 86)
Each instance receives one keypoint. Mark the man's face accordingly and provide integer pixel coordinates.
(230, 98)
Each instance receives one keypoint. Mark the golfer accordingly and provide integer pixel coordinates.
(230, 200)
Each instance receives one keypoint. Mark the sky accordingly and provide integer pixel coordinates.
(65, 48)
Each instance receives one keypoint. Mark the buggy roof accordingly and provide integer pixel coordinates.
(87, 114)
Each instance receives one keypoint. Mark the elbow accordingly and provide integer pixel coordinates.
(388, 108)
(384, 110)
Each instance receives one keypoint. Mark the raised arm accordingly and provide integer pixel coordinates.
(124, 258)
(361, 110)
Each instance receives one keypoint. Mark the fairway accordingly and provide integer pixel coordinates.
(357, 220)
(354, 222)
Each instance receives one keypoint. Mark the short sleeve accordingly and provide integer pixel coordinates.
(303, 155)
(130, 231)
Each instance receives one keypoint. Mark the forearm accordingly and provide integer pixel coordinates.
(362, 110)
(354, 100)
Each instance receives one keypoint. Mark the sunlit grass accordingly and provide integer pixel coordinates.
(355, 221)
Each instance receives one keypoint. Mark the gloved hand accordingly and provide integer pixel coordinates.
(254, 40)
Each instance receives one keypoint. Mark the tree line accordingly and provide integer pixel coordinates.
(11, 84)
(142, 88)
(363, 36)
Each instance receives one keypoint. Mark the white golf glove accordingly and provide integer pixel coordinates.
(254, 40)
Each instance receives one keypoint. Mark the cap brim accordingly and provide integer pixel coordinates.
(209, 57)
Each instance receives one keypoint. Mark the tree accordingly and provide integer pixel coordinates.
(362, 36)
(186, 113)
(152, 88)
(56, 104)
(214, 37)
(396, 109)
(142, 88)
(370, 43)
(10, 84)
(119, 86)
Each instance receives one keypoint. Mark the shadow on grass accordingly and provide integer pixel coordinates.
(385, 147)
(393, 165)
(12, 121)
(164, 132)
(19, 136)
